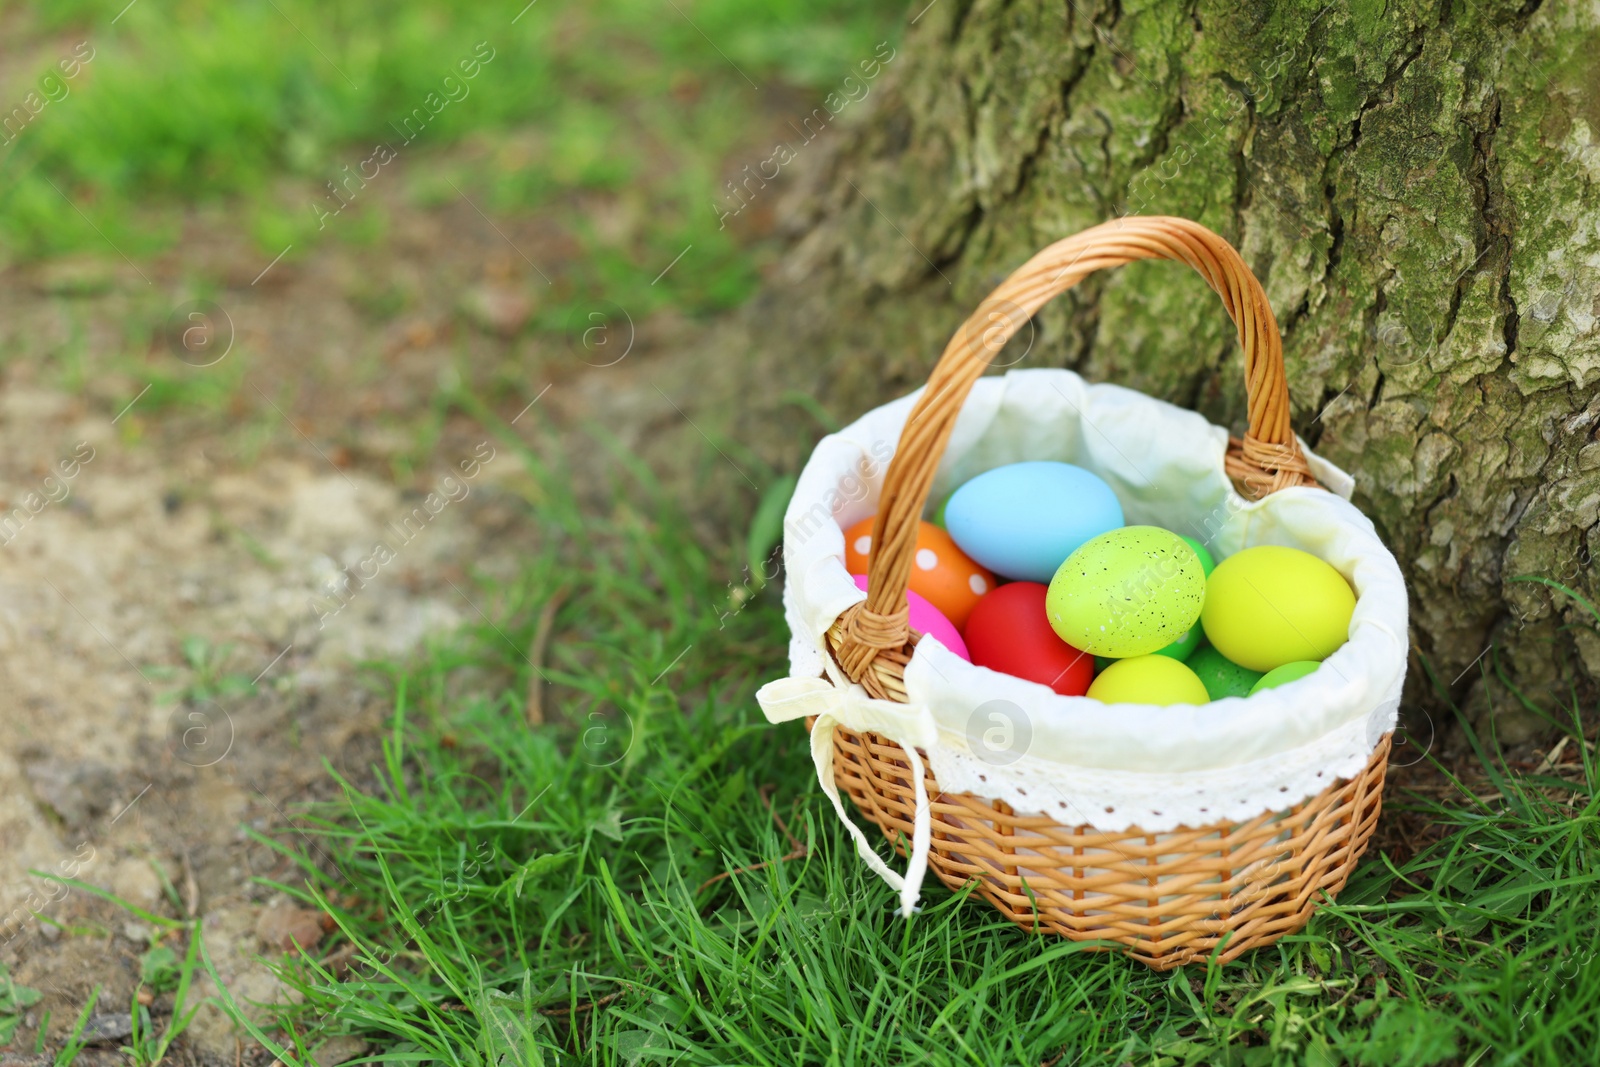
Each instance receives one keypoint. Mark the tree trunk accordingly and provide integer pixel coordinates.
(1415, 187)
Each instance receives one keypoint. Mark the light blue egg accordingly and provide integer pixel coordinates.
(1024, 519)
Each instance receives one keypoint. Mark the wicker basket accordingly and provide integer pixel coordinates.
(1171, 897)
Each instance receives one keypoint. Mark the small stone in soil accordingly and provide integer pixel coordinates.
(76, 791)
(338, 1050)
(497, 309)
(108, 1026)
(284, 926)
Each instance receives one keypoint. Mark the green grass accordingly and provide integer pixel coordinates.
(590, 890)
(553, 893)
(162, 969)
(14, 1000)
(247, 109)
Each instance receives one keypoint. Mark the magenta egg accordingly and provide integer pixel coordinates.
(927, 619)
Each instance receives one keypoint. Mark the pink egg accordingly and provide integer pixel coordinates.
(927, 619)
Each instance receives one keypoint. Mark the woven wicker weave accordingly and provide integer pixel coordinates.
(1170, 897)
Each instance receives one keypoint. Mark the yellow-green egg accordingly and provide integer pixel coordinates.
(1289, 672)
(1148, 680)
(1271, 605)
(1128, 592)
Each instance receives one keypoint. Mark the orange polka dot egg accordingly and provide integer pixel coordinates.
(941, 573)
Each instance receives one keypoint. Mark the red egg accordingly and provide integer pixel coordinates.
(1008, 631)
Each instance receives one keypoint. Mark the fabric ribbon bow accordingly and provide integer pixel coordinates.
(908, 725)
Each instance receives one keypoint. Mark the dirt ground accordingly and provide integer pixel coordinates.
(127, 768)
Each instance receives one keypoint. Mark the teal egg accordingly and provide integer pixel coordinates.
(1220, 675)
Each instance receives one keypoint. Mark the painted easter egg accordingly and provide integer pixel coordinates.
(1129, 592)
(1207, 563)
(938, 515)
(1023, 519)
(1220, 675)
(1148, 680)
(1285, 674)
(1008, 632)
(1180, 650)
(940, 572)
(1184, 646)
(926, 619)
(1271, 605)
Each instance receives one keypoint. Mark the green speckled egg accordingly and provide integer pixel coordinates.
(1220, 675)
(1128, 592)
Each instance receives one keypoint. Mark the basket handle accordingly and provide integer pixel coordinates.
(871, 640)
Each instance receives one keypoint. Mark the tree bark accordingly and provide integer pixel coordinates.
(1415, 185)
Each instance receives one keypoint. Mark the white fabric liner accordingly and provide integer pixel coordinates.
(1109, 766)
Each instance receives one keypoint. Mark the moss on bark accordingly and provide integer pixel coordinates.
(1417, 185)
